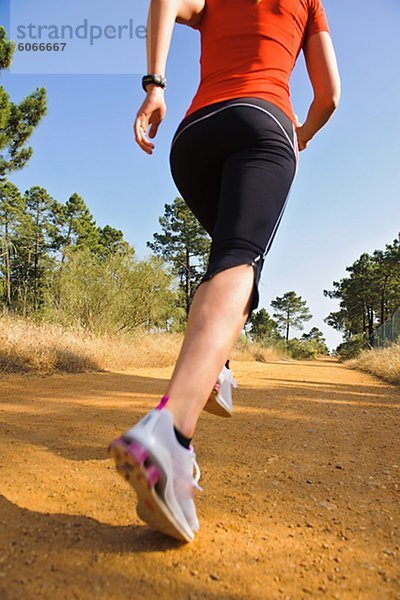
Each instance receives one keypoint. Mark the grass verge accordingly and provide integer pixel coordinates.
(26, 346)
(382, 362)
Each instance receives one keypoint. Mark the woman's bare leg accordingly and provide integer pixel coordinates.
(218, 312)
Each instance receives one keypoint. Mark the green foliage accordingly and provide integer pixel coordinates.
(184, 244)
(6, 49)
(290, 311)
(318, 341)
(265, 331)
(17, 124)
(263, 328)
(309, 346)
(370, 294)
(26, 232)
(111, 241)
(302, 349)
(17, 121)
(352, 347)
(76, 226)
(110, 295)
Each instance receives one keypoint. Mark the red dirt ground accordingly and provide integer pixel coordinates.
(301, 489)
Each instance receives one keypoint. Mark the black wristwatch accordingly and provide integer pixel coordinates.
(153, 78)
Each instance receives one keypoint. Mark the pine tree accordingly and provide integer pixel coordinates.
(76, 226)
(262, 326)
(314, 334)
(111, 241)
(11, 211)
(184, 244)
(17, 121)
(39, 233)
(386, 278)
(369, 295)
(290, 311)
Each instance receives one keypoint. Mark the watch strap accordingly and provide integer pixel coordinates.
(153, 78)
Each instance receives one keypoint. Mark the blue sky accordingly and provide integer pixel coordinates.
(346, 196)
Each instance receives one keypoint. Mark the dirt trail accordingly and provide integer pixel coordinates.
(300, 489)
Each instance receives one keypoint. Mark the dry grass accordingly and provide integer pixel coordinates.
(27, 346)
(382, 362)
(246, 350)
(46, 348)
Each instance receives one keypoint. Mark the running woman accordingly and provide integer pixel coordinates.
(233, 158)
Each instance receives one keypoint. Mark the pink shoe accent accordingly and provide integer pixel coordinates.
(217, 386)
(138, 453)
(163, 402)
(152, 475)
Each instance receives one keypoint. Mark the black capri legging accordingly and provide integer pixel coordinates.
(234, 163)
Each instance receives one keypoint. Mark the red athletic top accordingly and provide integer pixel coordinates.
(250, 49)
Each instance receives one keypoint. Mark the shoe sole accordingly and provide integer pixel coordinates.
(214, 407)
(134, 464)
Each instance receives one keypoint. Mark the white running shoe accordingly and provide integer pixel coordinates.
(160, 470)
(220, 400)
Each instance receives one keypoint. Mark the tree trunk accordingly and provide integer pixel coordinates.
(26, 284)
(66, 245)
(62, 262)
(364, 326)
(383, 299)
(8, 267)
(36, 261)
(187, 281)
(287, 327)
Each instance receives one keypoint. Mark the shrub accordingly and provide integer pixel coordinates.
(307, 349)
(352, 348)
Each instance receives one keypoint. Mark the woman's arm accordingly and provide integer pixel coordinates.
(324, 76)
(160, 23)
(161, 18)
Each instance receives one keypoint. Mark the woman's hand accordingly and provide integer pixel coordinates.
(302, 138)
(151, 113)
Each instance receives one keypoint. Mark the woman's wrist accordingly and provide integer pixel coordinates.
(318, 114)
(153, 88)
(306, 132)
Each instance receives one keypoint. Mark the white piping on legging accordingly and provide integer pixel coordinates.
(280, 214)
(287, 195)
(238, 104)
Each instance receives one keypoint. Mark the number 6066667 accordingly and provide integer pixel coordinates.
(42, 47)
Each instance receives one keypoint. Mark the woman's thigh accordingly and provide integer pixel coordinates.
(197, 176)
(254, 189)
